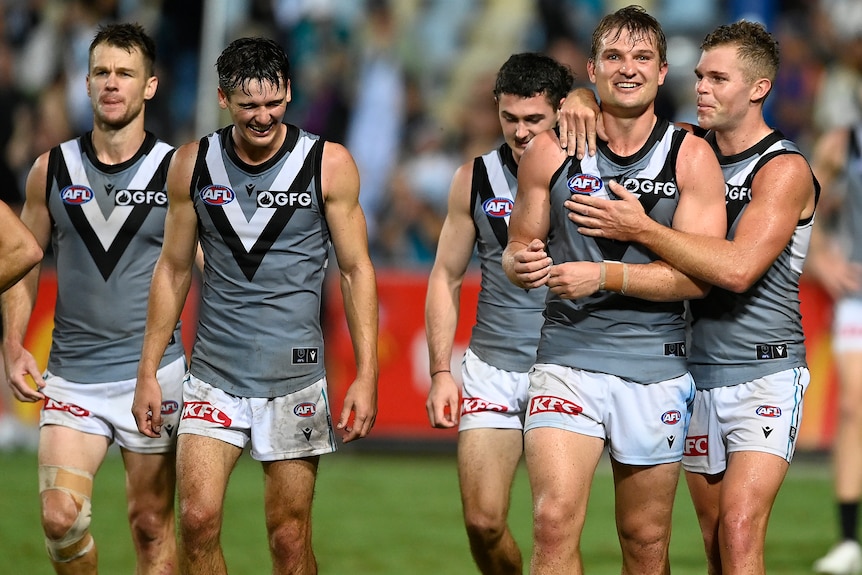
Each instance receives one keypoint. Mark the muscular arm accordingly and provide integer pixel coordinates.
(168, 290)
(525, 261)
(18, 300)
(442, 301)
(701, 209)
(340, 183)
(782, 194)
(19, 249)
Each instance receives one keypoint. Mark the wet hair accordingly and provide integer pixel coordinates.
(129, 37)
(756, 48)
(249, 59)
(530, 74)
(639, 24)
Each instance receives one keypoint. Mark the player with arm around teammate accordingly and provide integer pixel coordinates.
(100, 200)
(266, 199)
(528, 91)
(610, 366)
(747, 352)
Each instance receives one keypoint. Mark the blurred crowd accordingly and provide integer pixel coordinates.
(406, 85)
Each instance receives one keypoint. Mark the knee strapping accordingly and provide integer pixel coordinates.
(78, 484)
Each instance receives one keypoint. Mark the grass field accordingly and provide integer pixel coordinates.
(391, 514)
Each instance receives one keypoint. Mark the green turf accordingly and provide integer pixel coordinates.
(400, 515)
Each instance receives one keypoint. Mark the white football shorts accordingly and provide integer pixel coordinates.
(491, 397)
(847, 325)
(288, 427)
(106, 408)
(642, 424)
(761, 415)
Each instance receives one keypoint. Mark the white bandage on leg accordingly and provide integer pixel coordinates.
(77, 541)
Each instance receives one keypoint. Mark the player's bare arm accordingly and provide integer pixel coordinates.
(18, 301)
(340, 184)
(826, 261)
(525, 260)
(442, 301)
(19, 248)
(172, 278)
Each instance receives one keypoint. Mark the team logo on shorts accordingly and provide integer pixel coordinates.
(498, 207)
(551, 404)
(206, 411)
(170, 406)
(768, 411)
(71, 408)
(476, 405)
(305, 409)
(696, 445)
(671, 417)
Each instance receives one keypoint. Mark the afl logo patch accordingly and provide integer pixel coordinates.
(585, 184)
(498, 207)
(671, 417)
(76, 195)
(217, 195)
(169, 407)
(305, 409)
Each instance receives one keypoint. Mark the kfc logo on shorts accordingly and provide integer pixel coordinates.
(477, 405)
(768, 411)
(696, 445)
(206, 411)
(170, 406)
(551, 404)
(671, 417)
(305, 409)
(71, 408)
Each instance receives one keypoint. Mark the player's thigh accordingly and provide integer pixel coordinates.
(645, 496)
(561, 465)
(487, 460)
(751, 483)
(150, 479)
(204, 466)
(289, 490)
(66, 447)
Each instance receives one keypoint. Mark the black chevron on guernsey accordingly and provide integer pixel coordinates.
(249, 261)
(105, 260)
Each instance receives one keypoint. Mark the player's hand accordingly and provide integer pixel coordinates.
(360, 410)
(573, 280)
(580, 119)
(621, 219)
(443, 403)
(147, 406)
(20, 364)
(530, 266)
(835, 273)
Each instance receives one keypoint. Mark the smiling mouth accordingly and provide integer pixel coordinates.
(626, 85)
(260, 129)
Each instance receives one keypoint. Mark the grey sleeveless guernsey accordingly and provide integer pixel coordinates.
(508, 318)
(850, 215)
(737, 338)
(606, 332)
(107, 229)
(265, 243)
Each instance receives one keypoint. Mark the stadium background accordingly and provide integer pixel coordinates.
(406, 85)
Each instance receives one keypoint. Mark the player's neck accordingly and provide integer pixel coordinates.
(738, 138)
(117, 145)
(627, 135)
